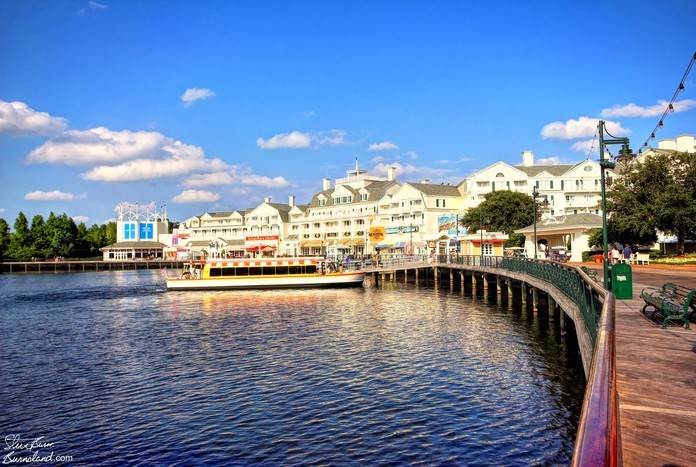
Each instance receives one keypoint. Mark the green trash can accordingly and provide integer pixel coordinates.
(622, 281)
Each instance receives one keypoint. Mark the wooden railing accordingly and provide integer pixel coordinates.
(598, 442)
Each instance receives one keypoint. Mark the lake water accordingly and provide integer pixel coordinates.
(109, 368)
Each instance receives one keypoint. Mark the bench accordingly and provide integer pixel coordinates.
(590, 272)
(642, 258)
(671, 302)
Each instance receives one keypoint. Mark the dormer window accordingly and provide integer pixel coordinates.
(500, 174)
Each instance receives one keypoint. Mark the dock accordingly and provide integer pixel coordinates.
(656, 377)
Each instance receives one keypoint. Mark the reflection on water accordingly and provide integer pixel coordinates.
(118, 370)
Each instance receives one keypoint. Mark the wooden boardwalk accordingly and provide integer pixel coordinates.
(656, 378)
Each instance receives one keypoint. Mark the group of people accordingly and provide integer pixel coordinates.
(617, 256)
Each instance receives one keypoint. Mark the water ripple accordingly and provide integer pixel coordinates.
(118, 371)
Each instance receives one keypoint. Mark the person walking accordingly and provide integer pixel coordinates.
(627, 254)
(614, 255)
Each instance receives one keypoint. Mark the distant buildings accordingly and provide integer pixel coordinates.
(362, 214)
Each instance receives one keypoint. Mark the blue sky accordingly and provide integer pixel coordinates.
(214, 105)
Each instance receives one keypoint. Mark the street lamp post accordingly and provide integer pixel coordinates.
(482, 227)
(535, 195)
(604, 164)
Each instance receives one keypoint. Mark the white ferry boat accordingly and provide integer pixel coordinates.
(266, 273)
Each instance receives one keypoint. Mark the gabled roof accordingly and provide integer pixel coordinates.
(376, 190)
(495, 164)
(435, 190)
(555, 170)
(570, 222)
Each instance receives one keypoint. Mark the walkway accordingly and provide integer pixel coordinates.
(656, 376)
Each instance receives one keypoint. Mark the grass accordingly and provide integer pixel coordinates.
(689, 258)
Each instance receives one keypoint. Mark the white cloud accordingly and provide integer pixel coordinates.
(195, 94)
(146, 169)
(123, 156)
(16, 118)
(293, 140)
(54, 195)
(2, 210)
(196, 196)
(376, 160)
(299, 140)
(412, 155)
(584, 146)
(549, 161)
(580, 128)
(383, 146)
(235, 176)
(331, 137)
(633, 110)
(79, 219)
(211, 179)
(97, 5)
(98, 146)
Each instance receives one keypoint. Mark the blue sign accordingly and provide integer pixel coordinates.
(146, 231)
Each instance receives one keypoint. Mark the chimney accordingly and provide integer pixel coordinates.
(391, 174)
(327, 184)
(267, 199)
(527, 158)
(291, 200)
(425, 181)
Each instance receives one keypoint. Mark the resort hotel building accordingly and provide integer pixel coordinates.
(362, 214)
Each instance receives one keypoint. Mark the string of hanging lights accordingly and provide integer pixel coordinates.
(670, 106)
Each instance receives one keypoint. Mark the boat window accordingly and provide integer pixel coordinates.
(295, 269)
(268, 271)
(311, 269)
(242, 271)
(215, 272)
(282, 270)
(228, 271)
(255, 271)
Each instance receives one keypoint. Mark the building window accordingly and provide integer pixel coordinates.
(551, 184)
(363, 196)
(129, 231)
(322, 202)
(487, 249)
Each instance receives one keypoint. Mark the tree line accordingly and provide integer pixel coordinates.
(57, 236)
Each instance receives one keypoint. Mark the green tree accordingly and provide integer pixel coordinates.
(4, 238)
(82, 247)
(96, 238)
(111, 234)
(596, 238)
(20, 244)
(39, 242)
(657, 192)
(504, 211)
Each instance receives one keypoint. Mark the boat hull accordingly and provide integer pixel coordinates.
(353, 279)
